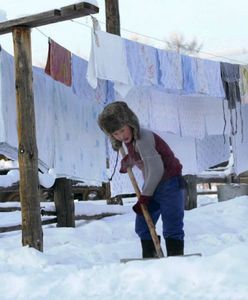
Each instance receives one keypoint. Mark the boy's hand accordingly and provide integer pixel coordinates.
(125, 163)
(142, 200)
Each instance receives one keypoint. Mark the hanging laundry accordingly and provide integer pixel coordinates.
(213, 77)
(240, 143)
(230, 78)
(77, 135)
(43, 87)
(211, 150)
(81, 86)
(184, 148)
(170, 71)
(214, 114)
(194, 76)
(108, 61)
(8, 113)
(189, 84)
(199, 73)
(191, 116)
(58, 64)
(139, 100)
(243, 84)
(164, 112)
(230, 75)
(142, 63)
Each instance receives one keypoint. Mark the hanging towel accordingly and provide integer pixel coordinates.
(142, 63)
(199, 73)
(240, 143)
(213, 77)
(189, 84)
(191, 116)
(164, 112)
(108, 61)
(230, 78)
(243, 84)
(138, 99)
(58, 64)
(170, 70)
(230, 75)
(194, 76)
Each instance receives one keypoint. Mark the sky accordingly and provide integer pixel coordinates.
(83, 263)
(219, 25)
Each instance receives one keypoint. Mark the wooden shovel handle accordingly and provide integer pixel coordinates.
(145, 212)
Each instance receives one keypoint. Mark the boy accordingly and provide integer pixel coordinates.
(162, 190)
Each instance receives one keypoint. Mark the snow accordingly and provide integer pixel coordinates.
(45, 179)
(84, 262)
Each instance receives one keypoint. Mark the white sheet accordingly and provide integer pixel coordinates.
(8, 117)
(108, 61)
(240, 146)
(79, 144)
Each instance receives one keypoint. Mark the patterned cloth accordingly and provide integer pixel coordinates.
(142, 61)
(81, 86)
(170, 71)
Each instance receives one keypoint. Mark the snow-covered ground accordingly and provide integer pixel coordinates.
(84, 262)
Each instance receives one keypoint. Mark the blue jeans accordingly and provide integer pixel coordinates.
(167, 201)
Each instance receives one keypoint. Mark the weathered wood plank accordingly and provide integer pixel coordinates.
(53, 16)
(31, 21)
(32, 234)
(112, 17)
(19, 227)
(10, 209)
(54, 220)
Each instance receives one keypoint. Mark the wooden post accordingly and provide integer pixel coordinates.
(191, 192)
(112, 16)
(64, 202)
(27, 150)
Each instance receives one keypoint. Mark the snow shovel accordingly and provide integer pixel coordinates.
(145, 212)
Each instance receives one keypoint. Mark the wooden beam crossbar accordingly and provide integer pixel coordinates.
(53, 16)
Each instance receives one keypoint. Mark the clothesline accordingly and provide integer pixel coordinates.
(161, 41)
(153, 38)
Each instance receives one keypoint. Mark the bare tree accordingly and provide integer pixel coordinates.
(177, 42)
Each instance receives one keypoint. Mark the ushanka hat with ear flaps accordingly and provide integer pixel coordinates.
(116, 115)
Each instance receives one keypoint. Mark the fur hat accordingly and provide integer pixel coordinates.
(116, 115)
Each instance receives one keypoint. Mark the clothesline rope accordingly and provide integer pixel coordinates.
(161, 41)
(42, 32)
(156, 39)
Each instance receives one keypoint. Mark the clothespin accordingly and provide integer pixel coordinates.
(96, 26)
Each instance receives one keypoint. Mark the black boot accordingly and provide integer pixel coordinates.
(174, 247)
(148, 248)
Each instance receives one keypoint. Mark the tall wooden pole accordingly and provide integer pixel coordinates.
(32, 234)
(112, 16)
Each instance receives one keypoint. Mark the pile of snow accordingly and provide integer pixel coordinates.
(84, 262)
